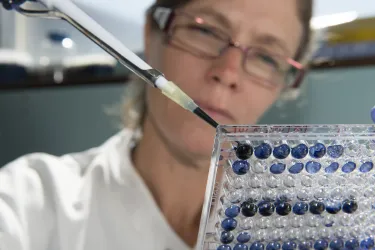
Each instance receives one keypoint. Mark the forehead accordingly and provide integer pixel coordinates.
(251, 19)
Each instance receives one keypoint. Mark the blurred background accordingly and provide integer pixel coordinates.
(58, 90)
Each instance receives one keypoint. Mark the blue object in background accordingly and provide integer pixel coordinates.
(13, 74)
(57, 37)
(344, 51)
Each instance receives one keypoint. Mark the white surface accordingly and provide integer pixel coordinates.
(364, 8)
(73, 11)
(16, 57)
(321, 22)
(92, 200)
(123, 18)
(94, 59)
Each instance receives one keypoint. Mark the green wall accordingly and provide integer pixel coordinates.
(56, 120)
(335, 96)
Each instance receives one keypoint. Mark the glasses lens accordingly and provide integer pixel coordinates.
(267, 67)
(199, 38)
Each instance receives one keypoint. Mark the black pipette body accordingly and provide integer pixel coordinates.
(198, 111)
(203, 115)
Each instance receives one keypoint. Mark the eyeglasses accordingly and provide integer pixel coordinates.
(194, 35)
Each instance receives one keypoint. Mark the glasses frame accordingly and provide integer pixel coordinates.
(164, 18)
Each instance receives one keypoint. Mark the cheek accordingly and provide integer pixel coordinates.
(179, 126)
(183, 131)
(255, 100)
(184, 70)
(188, 72)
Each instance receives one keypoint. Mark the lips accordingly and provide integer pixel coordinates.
(215, 112)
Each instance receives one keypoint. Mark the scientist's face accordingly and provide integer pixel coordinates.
(228, 91)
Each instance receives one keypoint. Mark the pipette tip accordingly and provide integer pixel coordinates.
(198, 111)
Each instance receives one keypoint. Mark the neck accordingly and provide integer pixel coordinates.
(178, 188)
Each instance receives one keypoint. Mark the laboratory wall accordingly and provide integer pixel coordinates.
(59, 120)
(330, 96)
(7, 29)
(56, 120)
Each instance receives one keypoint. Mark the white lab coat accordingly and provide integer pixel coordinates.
(93, 200)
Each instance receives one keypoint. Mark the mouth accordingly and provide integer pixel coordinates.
(215, 112)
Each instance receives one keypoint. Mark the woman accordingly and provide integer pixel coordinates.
(144, 187)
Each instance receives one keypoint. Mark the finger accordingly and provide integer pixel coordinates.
(373, 114)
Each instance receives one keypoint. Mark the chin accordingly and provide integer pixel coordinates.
(195, 136)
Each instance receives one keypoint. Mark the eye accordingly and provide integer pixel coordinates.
(269, 60)
(204, 30)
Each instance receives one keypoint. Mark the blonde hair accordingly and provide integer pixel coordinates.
(133, 108)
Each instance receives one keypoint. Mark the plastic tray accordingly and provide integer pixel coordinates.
(290, 187)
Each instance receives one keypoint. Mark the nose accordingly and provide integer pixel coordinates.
(227, 68)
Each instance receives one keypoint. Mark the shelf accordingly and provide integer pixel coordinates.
(35, 84)
(349, 63)
(42, 82)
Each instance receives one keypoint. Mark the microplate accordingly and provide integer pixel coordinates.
(290, 187)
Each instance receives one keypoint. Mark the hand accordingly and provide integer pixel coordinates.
(373, 114)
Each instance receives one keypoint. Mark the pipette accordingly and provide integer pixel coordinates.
(68, 11)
